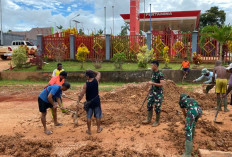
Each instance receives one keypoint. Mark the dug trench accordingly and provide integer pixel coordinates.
(123, 133)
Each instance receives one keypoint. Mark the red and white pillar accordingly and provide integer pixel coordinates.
(134, 17)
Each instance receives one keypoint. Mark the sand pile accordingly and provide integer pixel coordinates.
(93, 150)
(130, 97)
(16, 146)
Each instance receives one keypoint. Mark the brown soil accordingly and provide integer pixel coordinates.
(123, 134)
(93, 150)
(16, 146)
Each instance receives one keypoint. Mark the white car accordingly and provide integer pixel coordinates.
(6, 51)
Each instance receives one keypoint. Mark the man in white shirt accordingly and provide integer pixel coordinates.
(205, 73)
(57, 71)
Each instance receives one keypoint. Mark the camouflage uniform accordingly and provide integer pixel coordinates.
(194, 112)
(156, 93)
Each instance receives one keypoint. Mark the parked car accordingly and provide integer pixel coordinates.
(6, 51)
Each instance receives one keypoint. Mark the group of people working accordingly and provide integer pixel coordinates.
(51, 95)
(190, 107)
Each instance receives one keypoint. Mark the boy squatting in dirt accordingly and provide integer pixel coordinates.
(47, 99)
(192, 115)
(155, 95)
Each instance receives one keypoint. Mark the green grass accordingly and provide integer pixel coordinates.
(106, 66)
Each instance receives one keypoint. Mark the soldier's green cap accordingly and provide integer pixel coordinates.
(183, 96)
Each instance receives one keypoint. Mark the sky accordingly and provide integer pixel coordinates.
(22, 15)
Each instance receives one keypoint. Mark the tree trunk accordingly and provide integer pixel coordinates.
(221, 44)
(82, 65)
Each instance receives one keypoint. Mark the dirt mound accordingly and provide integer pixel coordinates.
(16, 146)
(93, 150)
(131, 96)
(213, 138)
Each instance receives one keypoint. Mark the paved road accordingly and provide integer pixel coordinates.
(4, 64)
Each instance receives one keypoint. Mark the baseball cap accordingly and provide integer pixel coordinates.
(204, 71)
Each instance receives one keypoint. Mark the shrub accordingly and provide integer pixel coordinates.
(38, 61)
(81, 55)
(229, 44)
(119, 59)
(71, 31)
(144, 56)
(197, 59)
(19, 57)
(165, 56)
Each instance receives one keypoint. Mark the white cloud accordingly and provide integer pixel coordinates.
(69, 9)
(14, 14)
(74, 5)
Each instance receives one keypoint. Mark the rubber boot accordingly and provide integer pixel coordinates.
(188, 149)
(156, 121)
(193, 133)
(225, 105)
(149, 117)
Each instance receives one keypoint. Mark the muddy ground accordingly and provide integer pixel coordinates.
(123, 134)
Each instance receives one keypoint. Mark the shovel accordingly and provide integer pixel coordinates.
(69, 98)
(74, 115)
(144, 102)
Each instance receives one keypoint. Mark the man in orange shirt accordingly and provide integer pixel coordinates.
(185, 67)
(58, 80)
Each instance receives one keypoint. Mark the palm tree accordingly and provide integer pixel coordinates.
(125, 28)
(221, 34)
(59, 27)
(100, 32)
(81, 32)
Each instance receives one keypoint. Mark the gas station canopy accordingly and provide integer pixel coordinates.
(175, 20)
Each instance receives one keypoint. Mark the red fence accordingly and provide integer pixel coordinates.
(127, 44)
(210, 50)
(180, 45)
(56, 45)
(95, 44)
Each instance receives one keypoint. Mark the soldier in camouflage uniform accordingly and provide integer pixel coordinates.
(155, 95)
(192, 115)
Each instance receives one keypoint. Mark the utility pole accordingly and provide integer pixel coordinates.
(71, 20)
(1, 23)
(113, 18)
(150, 17)
(144, 16)
(105, 21)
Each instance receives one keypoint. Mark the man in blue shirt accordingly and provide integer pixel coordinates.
(49, 98)
(207, 75)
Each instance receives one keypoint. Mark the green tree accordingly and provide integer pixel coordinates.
(100, 32)
(125, 28)
(221, 34)
(81, 32)
(9, 31)
(213, 16)
(19, 56)
(119, 59)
